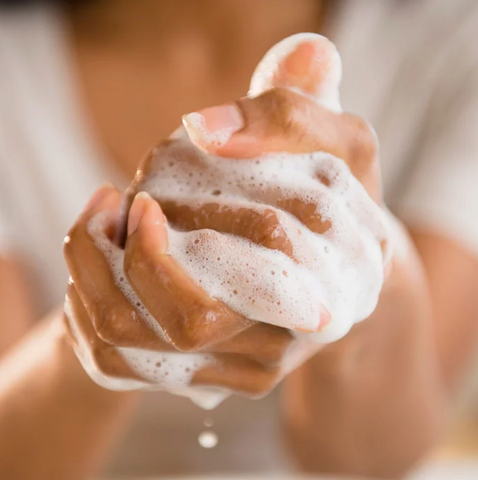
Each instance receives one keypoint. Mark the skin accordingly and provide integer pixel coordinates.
(391, 378)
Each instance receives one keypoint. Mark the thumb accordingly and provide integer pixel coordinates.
(298, 73)
(306, 63)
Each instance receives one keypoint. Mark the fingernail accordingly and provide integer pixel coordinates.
(137, 210)
(325, 317)
(144, 208)
(98, 196)
(214, 125)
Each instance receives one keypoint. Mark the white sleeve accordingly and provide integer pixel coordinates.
(8, 184)
(441, 194)
(6, 233)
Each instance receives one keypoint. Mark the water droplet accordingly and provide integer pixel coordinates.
(207, 439)
(67, 239)
(208, 422)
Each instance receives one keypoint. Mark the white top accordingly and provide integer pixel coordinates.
(409, 67)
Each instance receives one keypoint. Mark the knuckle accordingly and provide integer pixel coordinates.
(368, 137)
(134, 259)
(364, 145)
(189, 340)
(108, 322)
(187, 343)
(99, 357)
(265, 229)
(281, 112)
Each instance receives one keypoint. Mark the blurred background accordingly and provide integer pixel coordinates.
(88, 86)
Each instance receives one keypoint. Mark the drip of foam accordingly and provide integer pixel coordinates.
(341, 270)
(326, 58)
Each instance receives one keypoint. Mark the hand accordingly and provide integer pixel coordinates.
(166, 311)
(102, 320)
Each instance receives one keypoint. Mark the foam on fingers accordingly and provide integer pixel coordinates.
(327, 279)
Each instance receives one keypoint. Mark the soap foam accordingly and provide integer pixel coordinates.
(341, 269)
(216, 138)
(161, 370)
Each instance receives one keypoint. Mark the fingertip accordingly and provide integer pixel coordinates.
(146, 214)
(307, 63)
(137, 211)
(211, 128)
(307, 67)
(325, 317)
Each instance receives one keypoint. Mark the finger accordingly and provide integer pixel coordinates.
(307, 63)
(302, 70)
(238, 373)
(294, 108)
(190, 207)
(189, 317)
(261, 227)
(259, 283)
(282, 121)
(259, 224)
(266, 344)
(114, 318)
(107, 366)
(97, 357)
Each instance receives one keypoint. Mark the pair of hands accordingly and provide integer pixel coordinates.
(243, 355)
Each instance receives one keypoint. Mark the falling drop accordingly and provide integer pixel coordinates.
(207, 439)
(208, 422)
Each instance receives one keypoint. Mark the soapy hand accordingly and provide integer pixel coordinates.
(245, 250)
